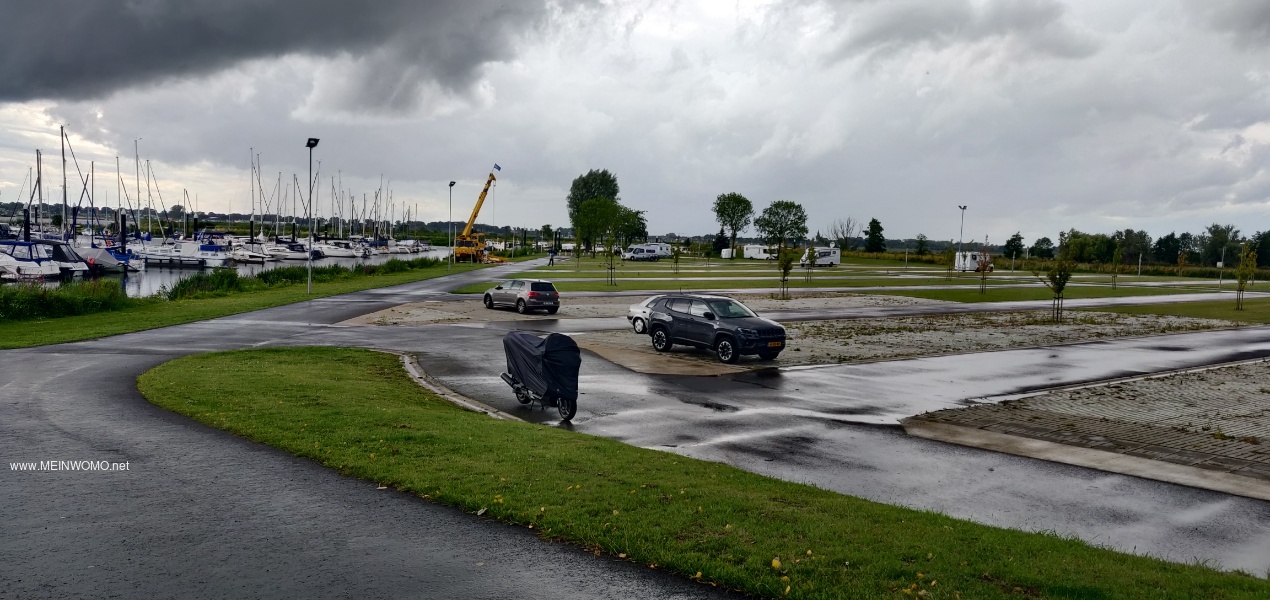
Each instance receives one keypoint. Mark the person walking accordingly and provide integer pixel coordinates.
(551, 257)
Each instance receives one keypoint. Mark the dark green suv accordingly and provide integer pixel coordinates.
(716, 323)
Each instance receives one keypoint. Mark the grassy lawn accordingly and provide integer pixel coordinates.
(727, 284)
(358, 412)
(155, 313)
(1004, 294)
(1255, 310)
(825, 278)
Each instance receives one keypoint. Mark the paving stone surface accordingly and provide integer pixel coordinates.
(1216, 419)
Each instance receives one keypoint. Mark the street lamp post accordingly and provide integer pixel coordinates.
(311, 144)
(960, 234)
(451, 265)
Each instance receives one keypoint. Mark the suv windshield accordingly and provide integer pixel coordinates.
(542, 286)
(729, 309)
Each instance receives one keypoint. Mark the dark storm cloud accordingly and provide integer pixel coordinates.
(888, 27)
(1247, 21)
(70, 49)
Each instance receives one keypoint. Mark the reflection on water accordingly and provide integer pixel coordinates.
(148, 282)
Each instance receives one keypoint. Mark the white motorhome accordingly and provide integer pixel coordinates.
(758, 252)
(821, 257)
(973, 261)
(662, 249)
(640, 252)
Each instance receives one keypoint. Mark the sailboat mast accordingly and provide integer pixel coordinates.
(251, 227)
(136, 153)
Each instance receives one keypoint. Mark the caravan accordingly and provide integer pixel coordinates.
(758, 252)
(973, 261)
(821, 257)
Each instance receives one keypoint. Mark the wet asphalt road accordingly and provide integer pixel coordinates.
(202, 513)
(206, 513)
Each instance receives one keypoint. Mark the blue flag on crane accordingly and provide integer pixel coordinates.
(497, 168)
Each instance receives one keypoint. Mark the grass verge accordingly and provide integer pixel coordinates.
(152, 313)
(1007, 294)
(1256, 310)
(358, 412)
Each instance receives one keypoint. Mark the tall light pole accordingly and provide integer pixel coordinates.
(451, 264)
(311, 144)
(962, 232)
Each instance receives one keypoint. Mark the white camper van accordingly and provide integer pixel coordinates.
(640, 252)
(662, 249)
(821, 257)
(973, 261)
(758, 252)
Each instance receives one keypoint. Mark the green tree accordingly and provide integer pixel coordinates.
(734, 212)
(594, 219)
(782, 221)
(1117, 258)
(629, 225)
(1165, 249)
(1187, 246)
(922, 247)
(873, 239)
(1137, 244)
(949, 256)
(1220, 238)
(176, 212)
(594, 184)
(1260, 241)
(1042, 248)
(785, 262)
(1244, 273)
(56, 221)
(720, 242)
(548, 234)
(1014, 246)
(1056, 279)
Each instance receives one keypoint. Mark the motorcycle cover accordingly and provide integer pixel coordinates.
(546, 366)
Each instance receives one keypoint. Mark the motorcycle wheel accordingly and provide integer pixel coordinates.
(523, 397)
(567, 408)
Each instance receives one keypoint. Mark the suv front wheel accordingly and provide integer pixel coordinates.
(726, 350)
(661, 340)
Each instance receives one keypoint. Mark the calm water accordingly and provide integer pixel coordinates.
(148, 282)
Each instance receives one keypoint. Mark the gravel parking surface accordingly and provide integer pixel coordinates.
(1215, 419)
(856, 340)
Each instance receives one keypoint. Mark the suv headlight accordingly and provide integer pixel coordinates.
(747, 332)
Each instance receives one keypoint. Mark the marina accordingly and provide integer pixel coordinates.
(158, 275)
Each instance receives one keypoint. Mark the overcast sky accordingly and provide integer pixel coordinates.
(1040, 115)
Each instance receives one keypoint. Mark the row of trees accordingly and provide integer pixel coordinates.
(785, 222)
(1217, 243)
(597, 215)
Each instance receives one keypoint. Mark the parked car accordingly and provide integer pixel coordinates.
(638, 315)
(525, 295)
(717, 323)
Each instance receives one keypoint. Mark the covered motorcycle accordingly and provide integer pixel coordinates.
(543, 369)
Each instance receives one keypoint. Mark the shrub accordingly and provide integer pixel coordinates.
(37, 301)
(219, 282)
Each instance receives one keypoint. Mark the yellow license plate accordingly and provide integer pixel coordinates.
(773, 344)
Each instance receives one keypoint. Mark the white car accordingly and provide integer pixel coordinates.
(638, 315)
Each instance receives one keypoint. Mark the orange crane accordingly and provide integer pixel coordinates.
(468, 246)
